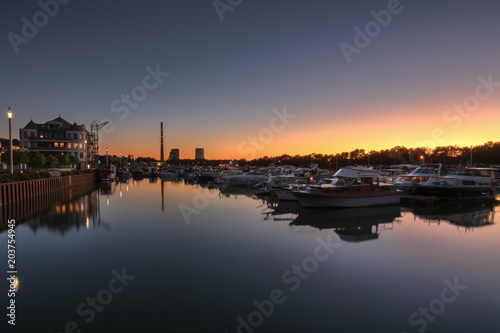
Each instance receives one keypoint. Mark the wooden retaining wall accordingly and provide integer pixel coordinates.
(18, 191)
(34, 205)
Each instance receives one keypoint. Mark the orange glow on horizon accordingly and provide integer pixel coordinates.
(331, 135)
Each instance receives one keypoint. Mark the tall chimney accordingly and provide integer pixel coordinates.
(162, 159)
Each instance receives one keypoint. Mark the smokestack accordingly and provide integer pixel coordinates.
(161, 149)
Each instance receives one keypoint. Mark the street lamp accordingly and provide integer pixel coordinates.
(422, 158)
(9, 114)
(85, 150)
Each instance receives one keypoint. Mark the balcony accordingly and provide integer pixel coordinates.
(44, 139)
(50, 149)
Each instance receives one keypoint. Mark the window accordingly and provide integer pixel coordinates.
(81, 155)
(56, 144)
(80, 145)
(80, 136)
(25, 143)
(75, 145)
(25, 134)
(74, 136)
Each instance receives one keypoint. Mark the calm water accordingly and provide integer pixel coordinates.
(183, 258)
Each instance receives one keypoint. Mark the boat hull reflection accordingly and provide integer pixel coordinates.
(468, 216)
(351, 224)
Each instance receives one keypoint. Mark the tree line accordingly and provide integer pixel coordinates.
(487, 154)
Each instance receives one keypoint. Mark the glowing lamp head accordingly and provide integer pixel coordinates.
(9, 113)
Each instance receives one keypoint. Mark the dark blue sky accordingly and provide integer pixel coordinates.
(225, 77)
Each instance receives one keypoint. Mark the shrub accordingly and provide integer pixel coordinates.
(8, 178)
(45, 174)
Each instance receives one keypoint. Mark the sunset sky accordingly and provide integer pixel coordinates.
(417, 78)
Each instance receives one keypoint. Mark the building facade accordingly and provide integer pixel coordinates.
(56, 137)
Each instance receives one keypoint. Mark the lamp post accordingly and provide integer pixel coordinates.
(85, 150)
(422, 158)
(106, 155)
(120, 159)
(9, 114)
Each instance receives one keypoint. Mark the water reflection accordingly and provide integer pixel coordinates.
(238, 191)
(184, 269)
(281, 210)
(466, 216)
(59, 203)
(80, 212)
(351, 224)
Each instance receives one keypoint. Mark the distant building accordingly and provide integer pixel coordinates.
(5, 145)
(174, 154)
(56, 137)
(199, 154)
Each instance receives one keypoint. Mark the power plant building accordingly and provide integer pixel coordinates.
(199, 154)
(174, 154)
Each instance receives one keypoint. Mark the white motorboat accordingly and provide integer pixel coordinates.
(250, 178)
(407, 182)
(168, 173)
(391, 174)
(284, 192)
(352, 195)
(461, 184)
(150, 172)
(351, 187)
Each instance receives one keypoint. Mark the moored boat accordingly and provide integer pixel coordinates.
(150, 172)
(250, 178)
(461, 184)
(352, 187)
(408, 182)
(106, 173)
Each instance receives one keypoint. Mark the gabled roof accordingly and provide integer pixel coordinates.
(74, 127)
(31, 125)
(65, 124)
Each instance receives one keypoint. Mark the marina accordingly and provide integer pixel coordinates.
(235, 166)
